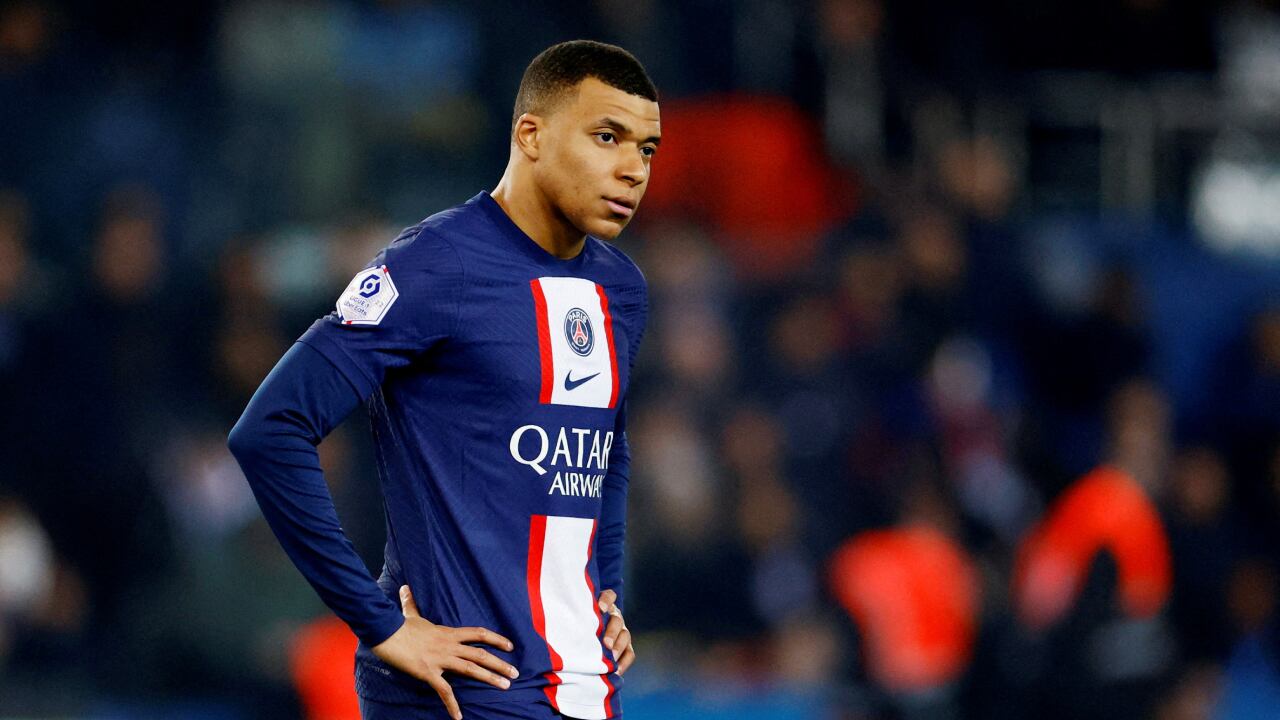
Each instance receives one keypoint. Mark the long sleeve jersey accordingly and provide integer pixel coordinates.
(494, 375)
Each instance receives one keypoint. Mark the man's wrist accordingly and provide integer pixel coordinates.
(377, 633)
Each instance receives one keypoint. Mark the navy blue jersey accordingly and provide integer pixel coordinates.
(494, 375)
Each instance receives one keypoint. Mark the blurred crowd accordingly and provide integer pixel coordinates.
(922, 427)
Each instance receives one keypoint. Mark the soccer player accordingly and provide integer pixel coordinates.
(492, 345)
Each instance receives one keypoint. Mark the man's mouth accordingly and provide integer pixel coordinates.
(621, 206)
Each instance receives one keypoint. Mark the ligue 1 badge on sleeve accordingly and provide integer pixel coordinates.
(368, 298)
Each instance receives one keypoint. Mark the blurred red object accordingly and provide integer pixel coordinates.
(754, 169)
(1104, 510)
(322, 663)
(914, 594)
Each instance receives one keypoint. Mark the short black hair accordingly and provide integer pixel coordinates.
(561, 67)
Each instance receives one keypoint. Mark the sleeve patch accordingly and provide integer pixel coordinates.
(368, 298)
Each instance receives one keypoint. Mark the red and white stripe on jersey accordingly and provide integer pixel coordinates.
(568, 377)
(563, 602)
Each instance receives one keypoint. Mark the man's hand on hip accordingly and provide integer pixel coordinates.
(616, 635)
(426, 651)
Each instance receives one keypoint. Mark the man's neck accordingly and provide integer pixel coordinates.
(534, 214)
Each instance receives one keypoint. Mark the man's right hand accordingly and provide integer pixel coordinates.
(426, 651)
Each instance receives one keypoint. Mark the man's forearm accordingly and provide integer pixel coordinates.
(611, 537)
(299, 403)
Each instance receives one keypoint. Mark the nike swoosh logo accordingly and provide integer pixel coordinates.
(570, 383)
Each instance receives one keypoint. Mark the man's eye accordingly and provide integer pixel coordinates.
(605, 136)
(648, 151)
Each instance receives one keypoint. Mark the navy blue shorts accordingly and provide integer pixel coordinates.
(374, 710)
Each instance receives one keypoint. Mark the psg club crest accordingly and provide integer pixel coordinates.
(577, 330)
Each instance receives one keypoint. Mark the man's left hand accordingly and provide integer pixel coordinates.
(616, 635)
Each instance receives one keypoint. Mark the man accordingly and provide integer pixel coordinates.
(492, 344)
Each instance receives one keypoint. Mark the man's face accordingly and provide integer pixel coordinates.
(594, 158)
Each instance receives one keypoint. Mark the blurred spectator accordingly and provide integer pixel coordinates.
(675, 486)
(1090, 582)
(1106, 510)
(126, 313)
(784, 588)
(1252, 684)
(42, 607)
(1205, 538)
(29, 30)
(24, 31)
(240, 327)
(935, 302)
(974, 440)
(207, 497)
(914, 594)
(1193, 697)
(1140, 429)
(804, 367)
(870, 284)
(977, 174)
(689, 312)
(854, 96)
(25, 287)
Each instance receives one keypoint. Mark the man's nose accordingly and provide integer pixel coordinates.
(634, 171)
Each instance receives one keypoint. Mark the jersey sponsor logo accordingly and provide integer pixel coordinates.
(368, 297)
(577, 330)
(580, 309)
(570, 383)
(579, 457)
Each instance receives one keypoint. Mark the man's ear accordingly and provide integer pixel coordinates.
(527, 134)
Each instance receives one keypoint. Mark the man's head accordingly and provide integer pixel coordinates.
(586, 122)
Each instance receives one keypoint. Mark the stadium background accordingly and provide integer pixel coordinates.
(917, 268)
